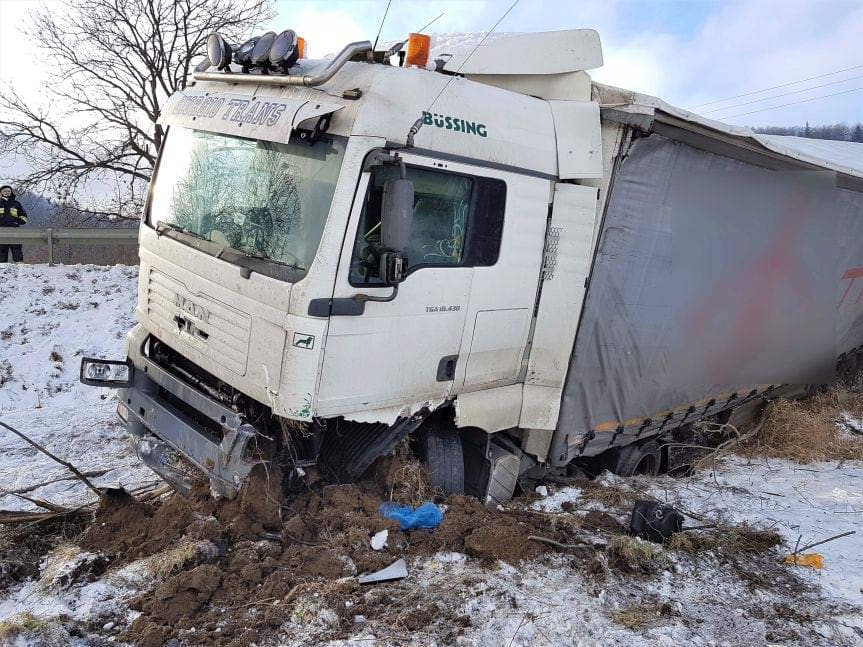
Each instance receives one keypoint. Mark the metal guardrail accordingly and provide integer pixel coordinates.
(68, 236)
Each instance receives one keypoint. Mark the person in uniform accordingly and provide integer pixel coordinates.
(12, 214)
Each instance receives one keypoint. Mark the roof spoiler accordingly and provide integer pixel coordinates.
(351, 50)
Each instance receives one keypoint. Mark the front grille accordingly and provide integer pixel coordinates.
(225, 338)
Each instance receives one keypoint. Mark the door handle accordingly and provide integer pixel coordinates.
(338, 307)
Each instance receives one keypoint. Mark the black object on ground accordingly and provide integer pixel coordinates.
(654, 521)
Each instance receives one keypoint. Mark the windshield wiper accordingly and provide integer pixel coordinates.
(261, 257)
(162, 227)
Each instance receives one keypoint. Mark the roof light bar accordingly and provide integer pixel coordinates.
(260, 56)
(351, 50)
(219, 52)
(285, 50)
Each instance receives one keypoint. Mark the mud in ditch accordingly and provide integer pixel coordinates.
(325, 539)
(22, 549)
(269, 553)
(272, 561)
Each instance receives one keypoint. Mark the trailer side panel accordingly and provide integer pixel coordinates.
(713, 279)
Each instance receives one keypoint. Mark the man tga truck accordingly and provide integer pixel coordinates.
(524, 271)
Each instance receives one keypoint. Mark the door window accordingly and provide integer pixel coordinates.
(457, 222)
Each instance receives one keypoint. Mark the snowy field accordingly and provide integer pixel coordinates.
(51, 317)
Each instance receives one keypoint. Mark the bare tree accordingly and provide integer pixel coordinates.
(113, 64)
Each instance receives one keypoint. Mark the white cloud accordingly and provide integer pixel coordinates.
(745, 46)
(325, 31)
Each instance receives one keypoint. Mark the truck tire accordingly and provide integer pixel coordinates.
(441, 449)
(639, 459)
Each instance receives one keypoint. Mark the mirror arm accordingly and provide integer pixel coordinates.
(362, 298)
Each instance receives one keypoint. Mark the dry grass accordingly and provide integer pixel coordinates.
(633, 555)
(22, 624)
(636, 618)
(807, 430)
(729, 540)
(406, 478)
(609, 496)
(177, 558)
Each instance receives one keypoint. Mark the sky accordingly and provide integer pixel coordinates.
(688, 52)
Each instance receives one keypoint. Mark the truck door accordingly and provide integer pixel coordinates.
(503, 294)
(405, 351)
(461, 317)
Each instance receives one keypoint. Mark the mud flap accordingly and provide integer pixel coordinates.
(491, 467)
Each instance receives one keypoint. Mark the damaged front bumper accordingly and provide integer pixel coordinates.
(200, 430)
(160, 431)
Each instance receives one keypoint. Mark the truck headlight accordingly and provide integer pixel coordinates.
(105, 372)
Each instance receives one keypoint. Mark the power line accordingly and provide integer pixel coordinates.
(793, 103)
(783, 94)
(419, 122)
(473, 51)
(430, 23)
(776, 87)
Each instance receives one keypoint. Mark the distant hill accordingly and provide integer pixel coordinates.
(839, 132)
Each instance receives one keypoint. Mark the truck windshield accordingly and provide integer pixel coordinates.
(265, 200)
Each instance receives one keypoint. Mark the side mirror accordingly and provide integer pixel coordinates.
(397, 209)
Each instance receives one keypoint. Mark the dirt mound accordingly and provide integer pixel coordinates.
(501, 540)
(125, 529)
(184, 594)
(283, 561)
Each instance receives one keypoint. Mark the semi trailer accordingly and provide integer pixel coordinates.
(520, 269)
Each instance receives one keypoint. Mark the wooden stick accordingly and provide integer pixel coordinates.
(824, 541)
(65, 464)
(556, 544)
(36, 486)
(42, 503)
(14, 517)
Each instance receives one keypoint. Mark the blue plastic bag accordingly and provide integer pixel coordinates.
(427, 516)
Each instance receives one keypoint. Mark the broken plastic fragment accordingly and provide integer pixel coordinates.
(812, 560)
(398, 570)
(379, 539)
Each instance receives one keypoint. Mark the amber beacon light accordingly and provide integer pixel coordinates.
(418, 50)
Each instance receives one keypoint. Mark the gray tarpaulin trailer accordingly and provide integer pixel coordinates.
(722, 270)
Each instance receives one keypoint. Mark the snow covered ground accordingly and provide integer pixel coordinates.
(50, 317)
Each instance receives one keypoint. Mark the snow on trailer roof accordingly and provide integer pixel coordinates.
(838, 156)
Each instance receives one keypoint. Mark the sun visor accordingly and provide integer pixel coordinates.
(267, 118)
(553, 52)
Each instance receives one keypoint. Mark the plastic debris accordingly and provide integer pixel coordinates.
(654, 521)
(398, 570)
(379, 539)
(427, 516)
(812, 560)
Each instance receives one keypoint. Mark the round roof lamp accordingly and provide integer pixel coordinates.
(218, 52)
(243, 55)
(260, 56)
(285, 50)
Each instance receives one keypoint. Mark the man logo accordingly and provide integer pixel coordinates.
(302, 340)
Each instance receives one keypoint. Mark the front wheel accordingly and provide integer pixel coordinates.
(440, 446)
